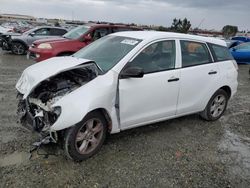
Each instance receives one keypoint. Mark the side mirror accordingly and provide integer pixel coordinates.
(234, 49)
(132, 72)
(32, 34)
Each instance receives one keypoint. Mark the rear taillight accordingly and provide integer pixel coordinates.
(235, 65)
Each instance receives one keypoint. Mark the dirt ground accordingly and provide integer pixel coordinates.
(185, 152)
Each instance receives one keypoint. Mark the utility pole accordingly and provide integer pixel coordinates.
(201, 22)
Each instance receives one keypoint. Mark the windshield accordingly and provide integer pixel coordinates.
(108, 51)
(244, 46)
(76, 32)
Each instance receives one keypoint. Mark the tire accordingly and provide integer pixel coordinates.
(216, 106)
(86, 138)
(18, 48)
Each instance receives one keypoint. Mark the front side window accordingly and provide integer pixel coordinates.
(194, 53)
(99, 33)
(221, 53)
(43, 31)
(108, 51)
(159, 56)
(76, 32)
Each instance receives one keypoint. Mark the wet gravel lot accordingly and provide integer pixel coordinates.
(185, 152)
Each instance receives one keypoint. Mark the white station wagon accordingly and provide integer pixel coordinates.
(122, 81)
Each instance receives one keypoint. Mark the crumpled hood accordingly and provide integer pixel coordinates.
(38, 72)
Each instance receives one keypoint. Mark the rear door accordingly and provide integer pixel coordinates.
(199, 75)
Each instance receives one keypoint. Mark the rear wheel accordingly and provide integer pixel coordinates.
(18, 48)
(216, 106)
(86, 138)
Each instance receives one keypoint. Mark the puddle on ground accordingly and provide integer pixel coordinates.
(236, 152)
(15, 158)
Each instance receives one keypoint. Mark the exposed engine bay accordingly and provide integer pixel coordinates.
(36, 110)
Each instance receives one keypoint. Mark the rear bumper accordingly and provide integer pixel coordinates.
(39, 54)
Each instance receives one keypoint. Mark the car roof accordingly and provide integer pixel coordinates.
(51, 27)
(110, 25)
(154, 35)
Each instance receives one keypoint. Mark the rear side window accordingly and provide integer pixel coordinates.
(221, 53)
(58, 32)
(194, 53)
(120, 29)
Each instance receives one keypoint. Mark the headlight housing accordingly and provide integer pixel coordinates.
(44, 46)
(54, 114)
(57, 110)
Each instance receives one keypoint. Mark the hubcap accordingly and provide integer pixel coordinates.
(18, 49)
(217, 106)
(89, 136)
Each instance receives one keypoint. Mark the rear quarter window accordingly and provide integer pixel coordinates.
(220, 53)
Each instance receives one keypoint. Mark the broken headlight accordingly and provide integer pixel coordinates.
(55, 113)
(57, 110)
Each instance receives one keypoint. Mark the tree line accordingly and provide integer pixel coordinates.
(184, 26)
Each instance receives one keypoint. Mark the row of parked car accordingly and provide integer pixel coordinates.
(240, 49)
(41, 43)
(45, 42)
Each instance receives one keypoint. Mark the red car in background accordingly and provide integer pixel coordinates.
(73, 41)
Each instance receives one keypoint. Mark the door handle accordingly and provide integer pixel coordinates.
(173, 79)
(212, 72)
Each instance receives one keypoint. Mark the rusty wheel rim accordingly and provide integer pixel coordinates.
(89, 136)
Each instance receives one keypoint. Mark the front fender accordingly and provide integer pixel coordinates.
(20, 41)
(98, 93)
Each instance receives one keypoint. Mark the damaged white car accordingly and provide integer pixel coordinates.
(122, 81)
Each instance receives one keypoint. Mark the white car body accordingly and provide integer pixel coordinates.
(134, 102)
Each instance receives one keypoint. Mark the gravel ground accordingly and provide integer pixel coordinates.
(185, 152)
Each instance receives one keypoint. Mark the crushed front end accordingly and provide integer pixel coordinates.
(36, 111)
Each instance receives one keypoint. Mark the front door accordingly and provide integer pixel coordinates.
(154, 96)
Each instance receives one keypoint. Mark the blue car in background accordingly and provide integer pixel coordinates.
(241, 53)
(233, 43)
(241, 38)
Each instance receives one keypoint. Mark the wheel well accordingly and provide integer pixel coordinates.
(106, 115)
(19, 41)
(227, 89)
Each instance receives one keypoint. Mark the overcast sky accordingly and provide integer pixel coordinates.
(214, 13)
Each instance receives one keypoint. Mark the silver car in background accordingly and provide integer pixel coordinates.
(19, 43)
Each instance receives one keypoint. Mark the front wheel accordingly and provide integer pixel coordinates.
(216, 106)
(18, 48)
(86, 138)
